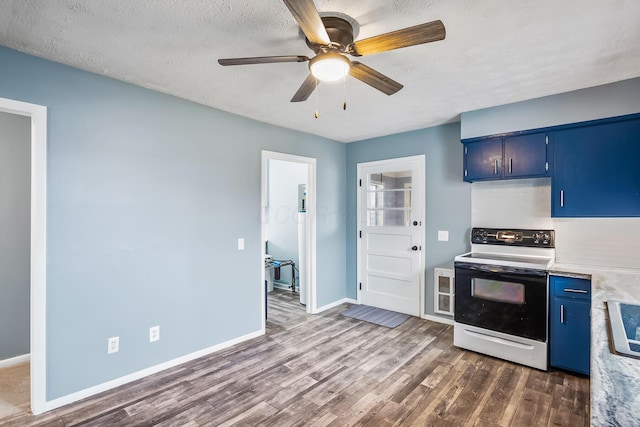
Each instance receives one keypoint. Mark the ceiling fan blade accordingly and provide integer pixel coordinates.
(423, 33)
(307, 88)
(263, 60)
(374, 79)
(309, 20)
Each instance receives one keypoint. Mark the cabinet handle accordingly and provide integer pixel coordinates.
(495, 167)
(576, 291)
(510, 165)
(562, 198)
(561, 313)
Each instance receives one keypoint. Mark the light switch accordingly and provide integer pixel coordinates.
(443, 235)
(241, 244)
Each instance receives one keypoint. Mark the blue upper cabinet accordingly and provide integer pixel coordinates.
(525, 156)
(483, 160)
(596, 170)
(522, 156)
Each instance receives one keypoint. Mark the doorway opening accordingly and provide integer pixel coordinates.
(15, 194)
(37, 250)
(288, 229)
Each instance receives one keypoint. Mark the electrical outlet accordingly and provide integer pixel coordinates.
(154, 333)
(443, 236)
(241, 244)
(113, 345)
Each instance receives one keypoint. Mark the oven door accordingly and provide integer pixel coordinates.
(504, 299)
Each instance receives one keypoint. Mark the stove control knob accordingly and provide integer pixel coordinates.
(477, 236)
(541, 238)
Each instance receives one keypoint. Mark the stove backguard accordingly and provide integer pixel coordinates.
(513, 237)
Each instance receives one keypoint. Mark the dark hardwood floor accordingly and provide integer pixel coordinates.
(331, 370)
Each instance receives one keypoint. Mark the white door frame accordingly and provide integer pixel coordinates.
(38, 285)
(312, 302)
(422, 159)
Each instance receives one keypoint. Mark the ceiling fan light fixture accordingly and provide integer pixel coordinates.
(329, 66)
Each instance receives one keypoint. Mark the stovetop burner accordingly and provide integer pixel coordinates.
(497, 257)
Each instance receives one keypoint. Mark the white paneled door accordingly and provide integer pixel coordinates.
(390, 230)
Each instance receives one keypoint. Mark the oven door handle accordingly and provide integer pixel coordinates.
(492, 268)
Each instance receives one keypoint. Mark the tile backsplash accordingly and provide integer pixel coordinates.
(526, 203)
(522, 203)
(611, 242)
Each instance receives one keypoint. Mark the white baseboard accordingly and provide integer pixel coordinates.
(14, 361)
(282, 285)
(335, 304)
(82, 394)
(438, 319)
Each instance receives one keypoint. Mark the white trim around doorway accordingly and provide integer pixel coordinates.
(38, 115)
(312, 303)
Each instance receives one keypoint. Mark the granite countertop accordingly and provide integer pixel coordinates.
(615, 379)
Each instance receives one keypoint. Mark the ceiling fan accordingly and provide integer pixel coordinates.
(331, 39)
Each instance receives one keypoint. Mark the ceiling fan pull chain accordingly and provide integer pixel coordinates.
(344, 92)
(316, 112)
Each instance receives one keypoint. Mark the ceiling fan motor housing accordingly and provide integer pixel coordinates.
(340, 33)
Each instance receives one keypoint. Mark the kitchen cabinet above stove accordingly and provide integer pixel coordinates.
(508, 157)
(593, 166)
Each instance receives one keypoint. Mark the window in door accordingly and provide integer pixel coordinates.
(389, 199)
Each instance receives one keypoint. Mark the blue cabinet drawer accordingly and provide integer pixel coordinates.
(570, 287)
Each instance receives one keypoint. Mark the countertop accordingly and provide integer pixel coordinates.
(615, 379)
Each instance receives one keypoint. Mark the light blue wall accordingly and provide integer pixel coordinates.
(15, 148)
(448, 199)
(147, 196)
(615, 99)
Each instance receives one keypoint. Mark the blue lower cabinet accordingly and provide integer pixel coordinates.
(570, 323)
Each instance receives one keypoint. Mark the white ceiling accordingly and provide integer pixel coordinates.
(496, 52)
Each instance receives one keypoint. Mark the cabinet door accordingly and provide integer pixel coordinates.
(570, 338)
(483, 160)
(596, 172)
(526, 156)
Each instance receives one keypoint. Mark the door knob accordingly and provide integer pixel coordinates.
(414, 248)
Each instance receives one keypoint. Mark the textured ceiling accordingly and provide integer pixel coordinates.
(496, 52)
